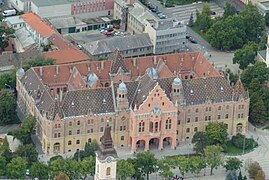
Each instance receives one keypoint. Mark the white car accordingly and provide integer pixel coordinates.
(27, 172)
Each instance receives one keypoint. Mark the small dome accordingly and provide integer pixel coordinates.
(122, 86)
(92, 79)
(177, 81)
(20, 72)
(152, 73)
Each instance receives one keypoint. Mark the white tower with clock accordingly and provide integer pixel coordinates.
(106, 158)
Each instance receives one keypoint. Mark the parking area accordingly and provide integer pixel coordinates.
(183, 13)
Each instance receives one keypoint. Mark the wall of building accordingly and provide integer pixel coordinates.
(52, 11)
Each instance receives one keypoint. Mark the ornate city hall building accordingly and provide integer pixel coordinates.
(149, 102)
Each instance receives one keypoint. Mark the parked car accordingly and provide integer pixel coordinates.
(192, 41)
(213, 13)
(27, 172)
(188, 37)
(116, 26)
(109, 33)
(162, 16)
(154, 10)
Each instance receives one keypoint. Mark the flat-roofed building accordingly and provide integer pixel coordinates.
(167, 35)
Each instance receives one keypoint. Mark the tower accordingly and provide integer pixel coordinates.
(176, 94)
(122, 100)
(106, 158)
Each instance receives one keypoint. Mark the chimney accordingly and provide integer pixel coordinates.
(57, 69)
(89, 68)
(41, 71)
(102, 65)
(134, 62)
(155, 60)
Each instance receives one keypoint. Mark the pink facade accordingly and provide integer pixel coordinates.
(94, 6)
(154, 122)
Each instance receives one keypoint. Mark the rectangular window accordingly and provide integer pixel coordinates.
(188, 120)
(78, 131)
(196, 119)
(178, 122)
(101, 129)
(238, 116)
(70, 132)
(242, 115)
(188, 130)
(209, 118)
(227, 116)
(218, 116)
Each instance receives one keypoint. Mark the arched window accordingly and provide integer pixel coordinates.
(69, 142)
(78, 141)
(108, 171)
(78, 123)
(70, 123)
(89, 140)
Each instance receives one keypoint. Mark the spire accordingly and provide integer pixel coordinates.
(106, 147)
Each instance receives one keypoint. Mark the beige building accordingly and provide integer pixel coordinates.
(149, 102)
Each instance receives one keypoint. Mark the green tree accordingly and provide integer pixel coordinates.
(87, 167)
(8, 106)
(233, 163)
(5, 150)
(217, 133)
(89, 150)
(125, 169)
(229, 10)
(246, 55)
(200, 141)
(197, 163)
(38, 61)
(164, 168)
(227, 34)
(39, 170)
(70, 167)
(3, 164)
(9, 79)
(25, 131)
(55, 158)
(253, 169)
(29, 152)
(203, 19)
(258, 110)
(213, 157)
(266, 18)
(254, 23)
(17, 168)
(183, 164)
(258, 71)
(240, 177)
(5, 35)
(137, 173)
(191, 21)
(146, 162)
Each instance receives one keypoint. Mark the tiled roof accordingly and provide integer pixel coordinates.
(208, 87)
(201, 90)
(81, 102)
(64, 56)
(37, 24)
(118, 63)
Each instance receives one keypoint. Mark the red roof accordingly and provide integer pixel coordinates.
(38, 24)
(181, 63)
(68, 55)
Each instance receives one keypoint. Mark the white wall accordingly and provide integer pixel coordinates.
(52, 11)
(18, 4)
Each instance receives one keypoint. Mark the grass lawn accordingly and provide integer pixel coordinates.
(232, 150)
(197, 30)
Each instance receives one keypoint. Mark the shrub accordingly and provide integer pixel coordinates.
(238, 141)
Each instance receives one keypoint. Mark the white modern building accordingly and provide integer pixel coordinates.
(167, 35)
